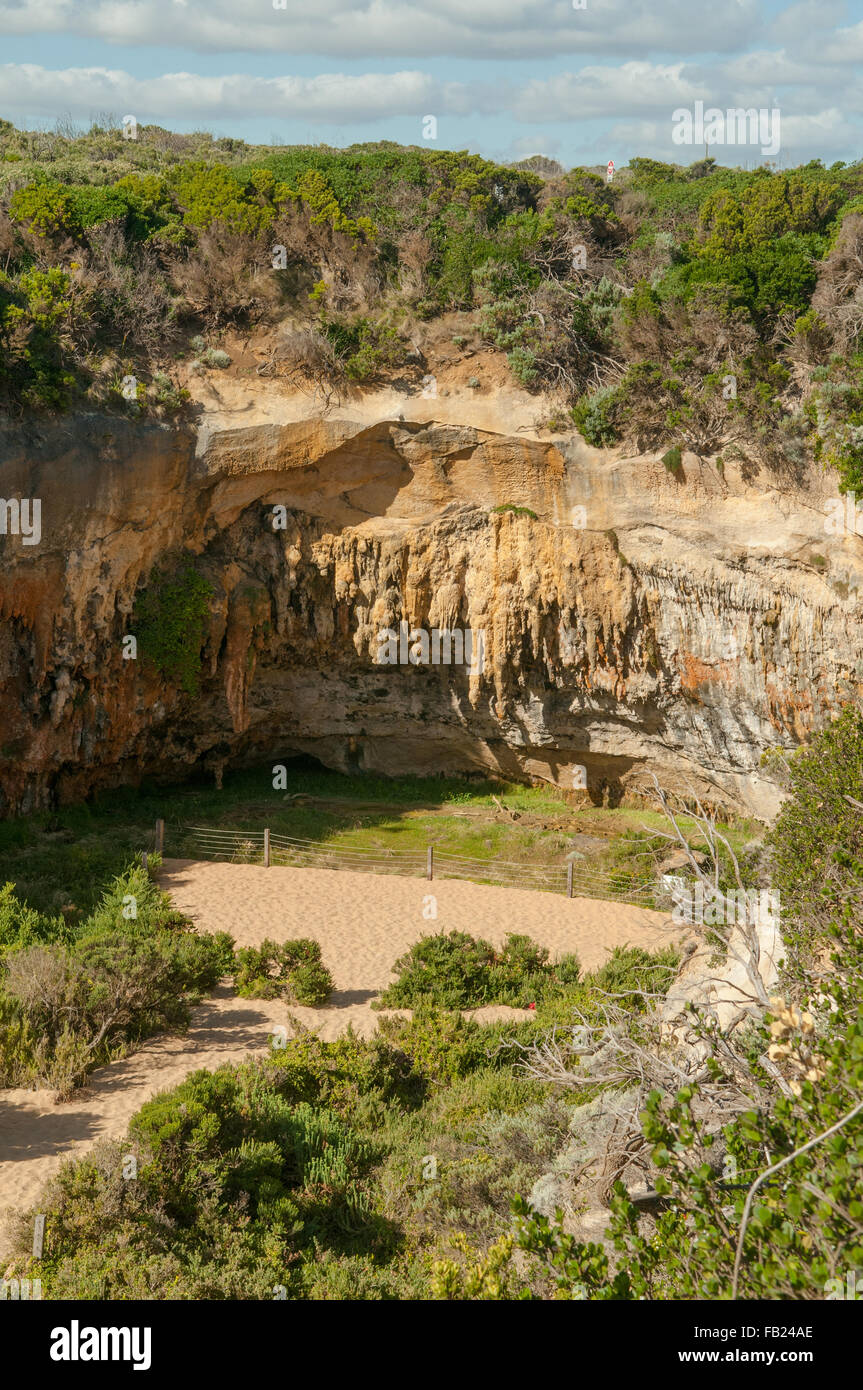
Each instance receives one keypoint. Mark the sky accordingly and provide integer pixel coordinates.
(583, 81)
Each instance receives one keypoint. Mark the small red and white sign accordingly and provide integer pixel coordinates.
(610, 174)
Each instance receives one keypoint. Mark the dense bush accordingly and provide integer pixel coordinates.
(635, 978)
(834, 412)
(36, 329)
(364, 350)
(234, 1181)
(458, 971)
(21, 925)
(631, 302)
(71, 999)
(442, 1045)
(597, 417)
(243, 1176)
(293, 970)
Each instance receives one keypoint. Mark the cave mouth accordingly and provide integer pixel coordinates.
(302, 762)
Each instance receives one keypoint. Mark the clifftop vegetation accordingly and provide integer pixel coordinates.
(701, 307)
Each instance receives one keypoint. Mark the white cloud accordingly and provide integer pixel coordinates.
(765, 69)
(328, 97)
(527, 145)
(606, 92)
(404, 28)
(636, 99)
(845, 46)
(631, 64)
(818, 134)
(808, 17)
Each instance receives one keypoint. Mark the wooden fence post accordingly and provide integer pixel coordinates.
(569, 879)
(430, 862)
(266, 849)
(160, 836)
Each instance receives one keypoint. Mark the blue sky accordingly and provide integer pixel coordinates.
(504, 78)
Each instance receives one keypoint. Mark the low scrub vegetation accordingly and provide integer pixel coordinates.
(698, 308)
(331, 1170)
(75, 997)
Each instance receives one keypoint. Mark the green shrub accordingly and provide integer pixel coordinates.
(293, 971)
(170, 397)
(35, 317)
(46, 209)
(133, 902)
(19, 1044)
(315, 191)
(215, 357)
(365, 349)
(458, 971)
(234, 1183)
(834, 414)
(451, 971)
(345, 1074)
(597, 417)
(70, 999)
(82, 1003)
(21, 925)
(522, 362)
(208, 195)
(440, 1044)
(635, 977)
(514, 510)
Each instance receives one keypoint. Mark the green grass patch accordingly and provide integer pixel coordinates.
(58, 860)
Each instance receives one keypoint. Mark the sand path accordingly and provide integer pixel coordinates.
(363, 922)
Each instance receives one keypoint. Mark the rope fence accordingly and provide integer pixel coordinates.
(269, 848)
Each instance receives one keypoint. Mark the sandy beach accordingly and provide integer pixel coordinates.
(363, 922)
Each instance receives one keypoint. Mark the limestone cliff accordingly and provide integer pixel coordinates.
(641, 621)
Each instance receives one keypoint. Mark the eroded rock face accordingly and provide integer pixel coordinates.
(679, 627)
